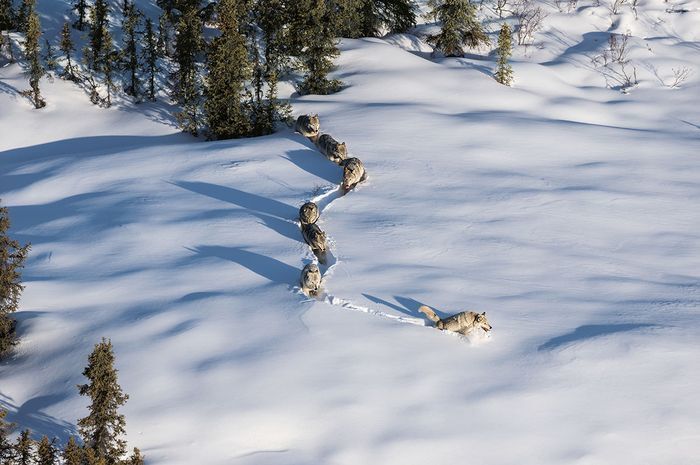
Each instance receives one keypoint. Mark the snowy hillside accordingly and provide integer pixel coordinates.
(565, 209)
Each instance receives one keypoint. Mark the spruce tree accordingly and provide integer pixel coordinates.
(31, 51)
(320, 50)
(109, 66)
(81, 9)
(6, 449)
(7, 15)
(46, 452)
(460, 27)
(370, 18)
(104, 426)
(226, 112)
(24, 449)
(130, 49)
(25, 10)
(150, 60)
(136, 458)
(504, 72)
(98, 30)
(12, 257)
(67, 48)
(163, 44)
(72, 453)
(187, 82)
(50, 56)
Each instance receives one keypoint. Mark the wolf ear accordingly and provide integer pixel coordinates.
(483, 313)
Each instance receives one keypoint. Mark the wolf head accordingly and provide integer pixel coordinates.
(342, 149)
(482, 322)
(314, 123)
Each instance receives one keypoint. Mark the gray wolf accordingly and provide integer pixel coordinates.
(308, 125)
(316, 240)
(353, 173)
(310, 279)
(332, 149)
(308, 213)
(463, 322)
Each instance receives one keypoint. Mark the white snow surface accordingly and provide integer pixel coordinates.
(566, 210)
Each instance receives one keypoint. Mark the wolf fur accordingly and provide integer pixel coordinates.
(310, 279)
(353, 173)
(316, 240)
(332, 149)
(463, 322)
(308, 125)
(308, 213)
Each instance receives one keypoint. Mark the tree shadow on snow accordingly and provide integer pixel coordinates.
(267, 267)
(30, 415)
(590, 331)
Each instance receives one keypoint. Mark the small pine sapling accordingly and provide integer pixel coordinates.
(504, 72)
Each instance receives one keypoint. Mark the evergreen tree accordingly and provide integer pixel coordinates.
(460, 27)
(369, 18)
(12, 257)
(504, 72)
(31, 52)
(50, 57)
(130, 50)
(187, 82)
(320, 50)
(150, 60)
(163, 36)
(6, 451)
(136, 458)
(102, 429)
(67, 48)
(72, 454)
(46, 452)
(226, 112)
(24, 449)
(110, 64)
(98, 30)
(90, 457)
(7, 15)
(81, 8)
(25, 10)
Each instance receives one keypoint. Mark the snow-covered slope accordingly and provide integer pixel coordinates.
(565, 210)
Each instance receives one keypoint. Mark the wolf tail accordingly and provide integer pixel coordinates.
(430, 313)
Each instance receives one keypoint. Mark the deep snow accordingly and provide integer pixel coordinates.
(565, 210)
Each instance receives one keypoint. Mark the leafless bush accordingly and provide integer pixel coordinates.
(500, 7)
(615, 6)
(530, 18)
(615, 65)
(680, 75)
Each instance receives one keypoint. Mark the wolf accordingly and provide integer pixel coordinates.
(332, 149)
(463, 322)
(308, 125)
(310, 279)
(308, 213)
(316, 240)
(353, 173)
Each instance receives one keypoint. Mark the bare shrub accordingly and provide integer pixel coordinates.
(530, 18)
(680, 75)
(615, 65)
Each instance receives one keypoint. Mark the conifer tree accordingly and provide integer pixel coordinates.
(46, 452)
(320, 50)
(130, 50)
(110, 64)
(7, 15)
(504, 72)
(104, 426)
(6, 449)
(136, 458)
(369, 18)
(90, 457)
(460, 27)
(226, 112)
(187, 82)
(72, 453)
(98, 30)
(50, 56)
(12, 257)
(25, 10)
(24, 449)
(150, 60)
(67, 48)
(163, 36)
(81, 9)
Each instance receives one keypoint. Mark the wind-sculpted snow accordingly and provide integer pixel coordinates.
(565, 210)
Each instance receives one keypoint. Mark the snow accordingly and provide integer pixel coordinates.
(564, 209)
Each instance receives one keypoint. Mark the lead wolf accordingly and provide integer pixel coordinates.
(308, 125)
(332, 149)
(353, 173)
(463, 322)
